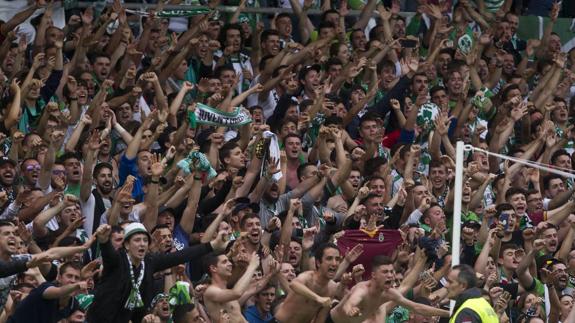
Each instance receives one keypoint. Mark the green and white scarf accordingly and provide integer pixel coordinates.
(207, 115)
(197, 161)
(135, 299)
(180, 294)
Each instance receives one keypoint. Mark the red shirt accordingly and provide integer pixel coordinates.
(383, 242)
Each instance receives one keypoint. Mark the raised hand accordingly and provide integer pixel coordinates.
(308, 237)
(539, 244)
(254, 261)
(294, 204)
(274, 224)
(70, 200)
(519, 112)
(87, 16)
(357, 272)
(14, 86)
(38, 259)
(352, 255)
(220, 243)
(273, 166)
(38, 60)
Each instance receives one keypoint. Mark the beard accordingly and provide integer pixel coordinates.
(106, 190)
(269, 198)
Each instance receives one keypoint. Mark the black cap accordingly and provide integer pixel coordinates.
(360, 87)
(305, 69)
(243, 203)
(472, 224)
(4, 160)
(549, 261)
(164, 208)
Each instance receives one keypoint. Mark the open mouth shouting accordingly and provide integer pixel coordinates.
(141, 252)
(552, 245)
(8, 175)
(12, 245)
(255, 235)
(331, 271)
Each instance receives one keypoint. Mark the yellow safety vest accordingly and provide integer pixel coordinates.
(481, 307)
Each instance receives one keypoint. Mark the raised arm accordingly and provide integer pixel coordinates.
(54, 292)
(563, 253)
(218, 295)
(416, 307)
(213, 227)
(481, 262)
(305, 25)
(411, 279)
(134, 145)
(559, 215)
(365, 15)
(522, 271)
(151, 198)
(174, 63)
(477, 197)
(39, 223)
(18, 18)
(11, 118)
(304, 186)
(299, 286)
(189, 215)
(287, 227)
(89, 163)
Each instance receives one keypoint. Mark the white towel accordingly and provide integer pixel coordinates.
(274, 152)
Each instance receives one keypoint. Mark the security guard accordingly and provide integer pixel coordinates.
(470, 307)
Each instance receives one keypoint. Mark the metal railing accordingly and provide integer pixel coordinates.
(226, 9)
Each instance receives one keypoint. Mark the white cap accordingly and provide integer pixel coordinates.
(134, 228)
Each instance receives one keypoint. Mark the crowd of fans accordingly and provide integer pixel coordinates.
(216, 167)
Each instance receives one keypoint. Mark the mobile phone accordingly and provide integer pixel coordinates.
(408, 43)
(504, 219)
(425, 274)
(531, 311)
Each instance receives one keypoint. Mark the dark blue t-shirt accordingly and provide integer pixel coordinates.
(36, 309)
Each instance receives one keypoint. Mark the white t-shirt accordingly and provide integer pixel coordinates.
(268, 104)
(9, 9)
(133, 216)
(88, 208)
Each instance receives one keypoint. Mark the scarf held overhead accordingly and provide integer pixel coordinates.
(206, 115)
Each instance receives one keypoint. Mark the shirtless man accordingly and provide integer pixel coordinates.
(312, 290)
(365, 300)
(217, 297)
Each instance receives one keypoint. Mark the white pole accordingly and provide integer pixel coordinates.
(456, 230)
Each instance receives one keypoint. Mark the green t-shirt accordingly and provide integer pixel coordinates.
(73, 189)
(538, 288)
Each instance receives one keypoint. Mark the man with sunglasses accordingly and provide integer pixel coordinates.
(30, 169)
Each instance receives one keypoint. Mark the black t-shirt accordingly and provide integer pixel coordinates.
(35, 308)
(516, 238)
